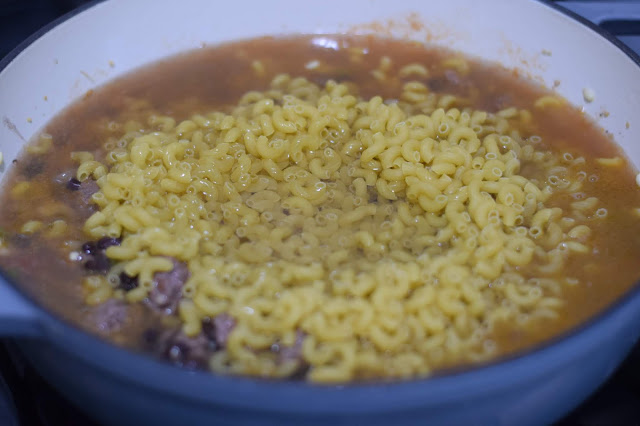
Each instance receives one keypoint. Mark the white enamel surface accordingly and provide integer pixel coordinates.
(117, 36)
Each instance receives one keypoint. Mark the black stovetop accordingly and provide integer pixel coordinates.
(26, 400)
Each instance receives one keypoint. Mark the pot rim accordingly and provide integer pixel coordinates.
(289, 396)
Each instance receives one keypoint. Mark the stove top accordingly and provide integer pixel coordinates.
(26, 400)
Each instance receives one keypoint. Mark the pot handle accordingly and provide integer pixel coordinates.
(603, 11)
(18, 317)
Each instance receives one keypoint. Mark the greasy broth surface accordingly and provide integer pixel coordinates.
(214, 77)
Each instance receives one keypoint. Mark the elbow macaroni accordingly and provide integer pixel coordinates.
(392, 237)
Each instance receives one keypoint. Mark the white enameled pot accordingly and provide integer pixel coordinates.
(106, 40)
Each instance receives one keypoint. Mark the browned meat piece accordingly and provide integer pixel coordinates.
(449, 81)
(87, 189)
(453, 77)
(81, 200)
(287, 354)
(190, 352)
(167, 288)
(20, 241)
(292, 353)
(500, 102)
(33, 167)
(181, 350)
(223, 325)
(437, 84)
(110, 316)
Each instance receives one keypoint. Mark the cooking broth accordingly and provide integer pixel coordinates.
(460, 313)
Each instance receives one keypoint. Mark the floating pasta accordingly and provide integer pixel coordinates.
(390, 221)
(451, 168)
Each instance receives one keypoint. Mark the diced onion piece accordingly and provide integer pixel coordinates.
(588, 94)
